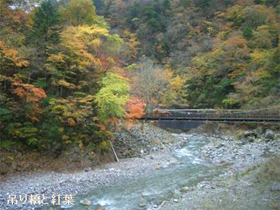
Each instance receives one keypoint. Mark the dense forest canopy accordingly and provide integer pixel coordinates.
(71, 69)
(226, 52)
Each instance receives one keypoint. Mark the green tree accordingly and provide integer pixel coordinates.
(112, 97)
(100, 6)
(45, 23)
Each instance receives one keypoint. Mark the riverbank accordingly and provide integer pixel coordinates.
(49, 184)
(140, 140)
(250, 177)
(247, 191)
(250, 158)
(153, 158)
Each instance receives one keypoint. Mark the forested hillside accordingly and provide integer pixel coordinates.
(62, 80)
(225, 52)
(72, 69)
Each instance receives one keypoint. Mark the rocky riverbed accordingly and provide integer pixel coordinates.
(250, 177)
(82, 182)
(142, 139)
(242, 182)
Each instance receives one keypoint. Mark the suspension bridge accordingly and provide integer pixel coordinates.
(268, 115)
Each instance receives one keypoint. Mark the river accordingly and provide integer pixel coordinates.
(150, 191)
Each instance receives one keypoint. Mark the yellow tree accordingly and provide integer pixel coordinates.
(78, 60)
(80, 12)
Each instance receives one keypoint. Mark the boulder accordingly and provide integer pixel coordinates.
(276, 187)
(88, 169)
(250, 134)
(242, 142)
(251, 139)
(220, 146)
(4, 169)
(269, 134)
(86, 202)
(142, 205)
(184, 189)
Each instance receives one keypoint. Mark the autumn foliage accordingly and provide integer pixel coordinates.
(28, 92)
(72, 70)
(61, 79)
(135, 108)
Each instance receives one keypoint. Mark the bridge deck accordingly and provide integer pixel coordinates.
(214, 115)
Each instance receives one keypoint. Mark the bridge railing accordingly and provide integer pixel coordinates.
(212, 115)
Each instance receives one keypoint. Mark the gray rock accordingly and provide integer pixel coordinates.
(251, 139)
(4, 169)
(142, 205)
(250, 134)
(242, 142)
(219, 146)
(86, 202)
(184, 189)
(87, 169)
(269, 134)
(276, 187)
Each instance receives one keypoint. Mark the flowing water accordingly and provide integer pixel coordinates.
(161, 185)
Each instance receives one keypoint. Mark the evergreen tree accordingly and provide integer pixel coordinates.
(45, 23)
(99, 5)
